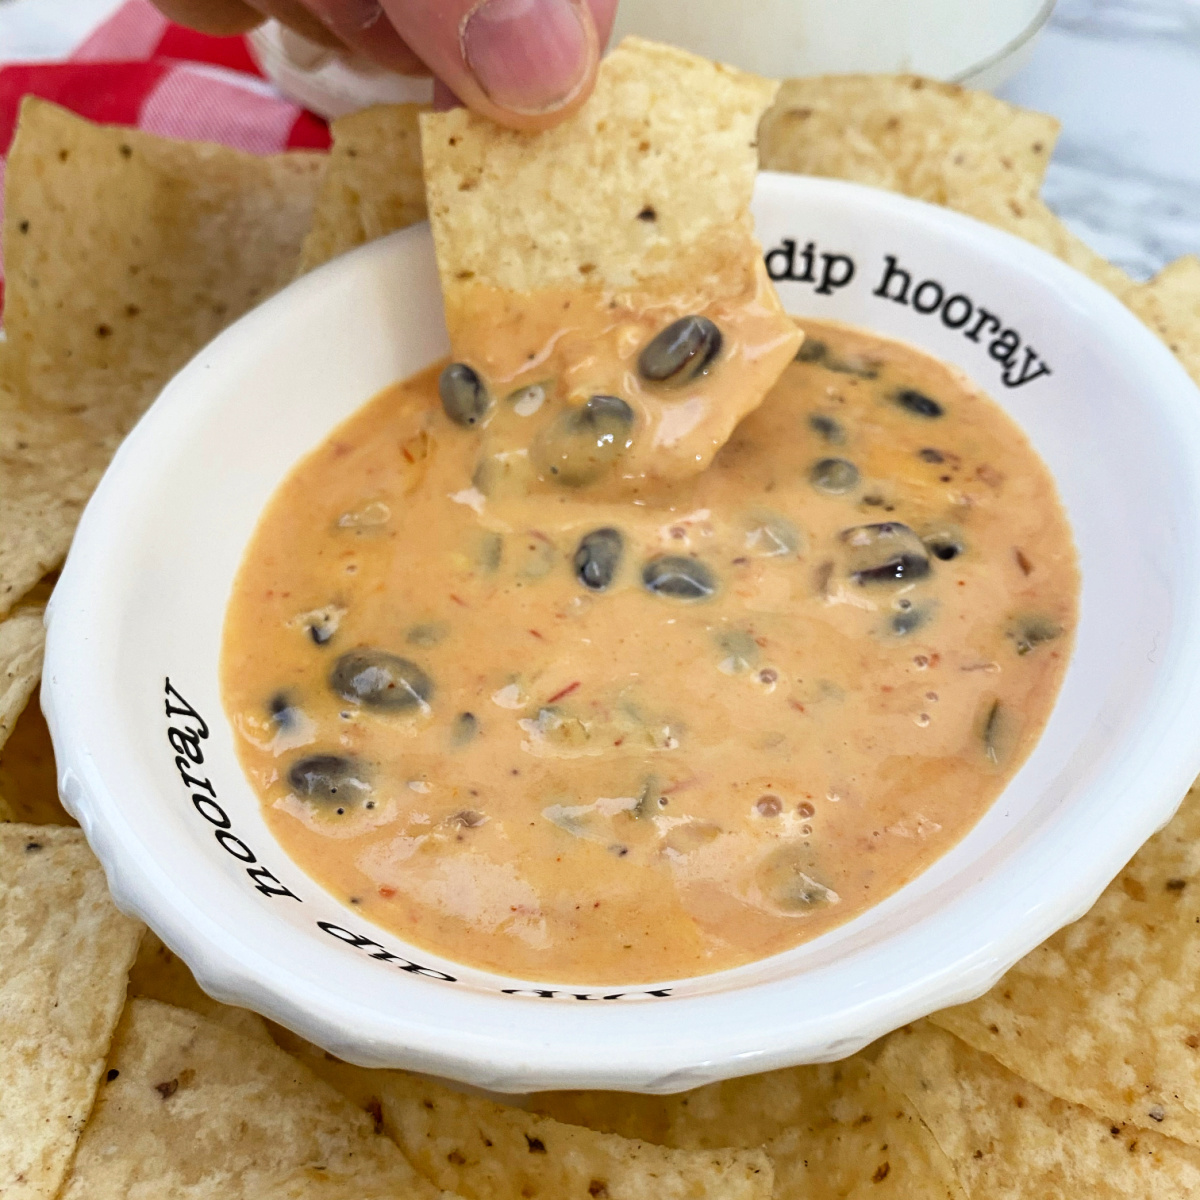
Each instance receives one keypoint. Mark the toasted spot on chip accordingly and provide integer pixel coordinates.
(66, 956)
(195, 1109)
(1102, 1013)
(1041, 1146)
(373, 184)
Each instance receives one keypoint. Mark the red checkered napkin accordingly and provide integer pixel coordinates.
(138, 69)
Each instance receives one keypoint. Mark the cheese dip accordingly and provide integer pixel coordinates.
(609, 737)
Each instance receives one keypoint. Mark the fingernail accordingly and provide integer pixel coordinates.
(529, 56)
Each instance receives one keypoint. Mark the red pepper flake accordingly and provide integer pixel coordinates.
(541, 537)
(796, 705)
(459, 601)
(386, 892)
(537, 635)
(341, 449)
(571, 687)
(1022, 562)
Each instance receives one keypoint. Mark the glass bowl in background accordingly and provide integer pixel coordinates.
(977, 42)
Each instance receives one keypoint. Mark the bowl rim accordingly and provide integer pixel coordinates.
(527, 1053)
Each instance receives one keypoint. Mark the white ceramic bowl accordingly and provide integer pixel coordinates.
(143, 597)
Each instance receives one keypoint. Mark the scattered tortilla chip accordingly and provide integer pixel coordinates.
(22, 640)
(65, 953)
(935, 141)
(628, 215)
(159, 974)
(1107, 1012)
(28, 776)
(373, 184)
(486, 1151)
(191, 1108)
(1009, 1140)
(834, 1132)
(1170, 304)
(124, 254)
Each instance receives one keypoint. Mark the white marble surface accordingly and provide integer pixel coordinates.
(1123, 76)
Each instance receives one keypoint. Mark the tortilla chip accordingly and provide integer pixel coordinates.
(159, 974)
(934, 141)
(373, 184)
(22, 640)
(190, 1108)
(834, 1132)
(1170, 304)
(1107, 1012)
(486, 1151)
(1009, 1140)
(28, 776)
(124, 254)
(65, 953)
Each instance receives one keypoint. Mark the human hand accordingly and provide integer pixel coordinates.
(523, 63)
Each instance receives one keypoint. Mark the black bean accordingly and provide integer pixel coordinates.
(888, 552)
(909, 619)
(490, 552)
(466, 818)
(464, 729)
(681, 352)
(917, 403)
(380, 680)
(581, 444)
(329, 778)
(1031, 632)
(283, 712)
(601, 412)
(598, 558)
(827, 427)
(678, 577)
(834, 476)
(464, 398)
(786, 876)
(770, 534)
(944, 547)
(991, 731)
(814, 351)
(427, 634)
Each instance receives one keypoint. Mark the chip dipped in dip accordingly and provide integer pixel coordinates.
(612, 257)
(577, 737)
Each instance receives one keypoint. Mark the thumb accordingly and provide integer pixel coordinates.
(524, 63)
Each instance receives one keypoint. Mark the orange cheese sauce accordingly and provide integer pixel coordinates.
(748, 706)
